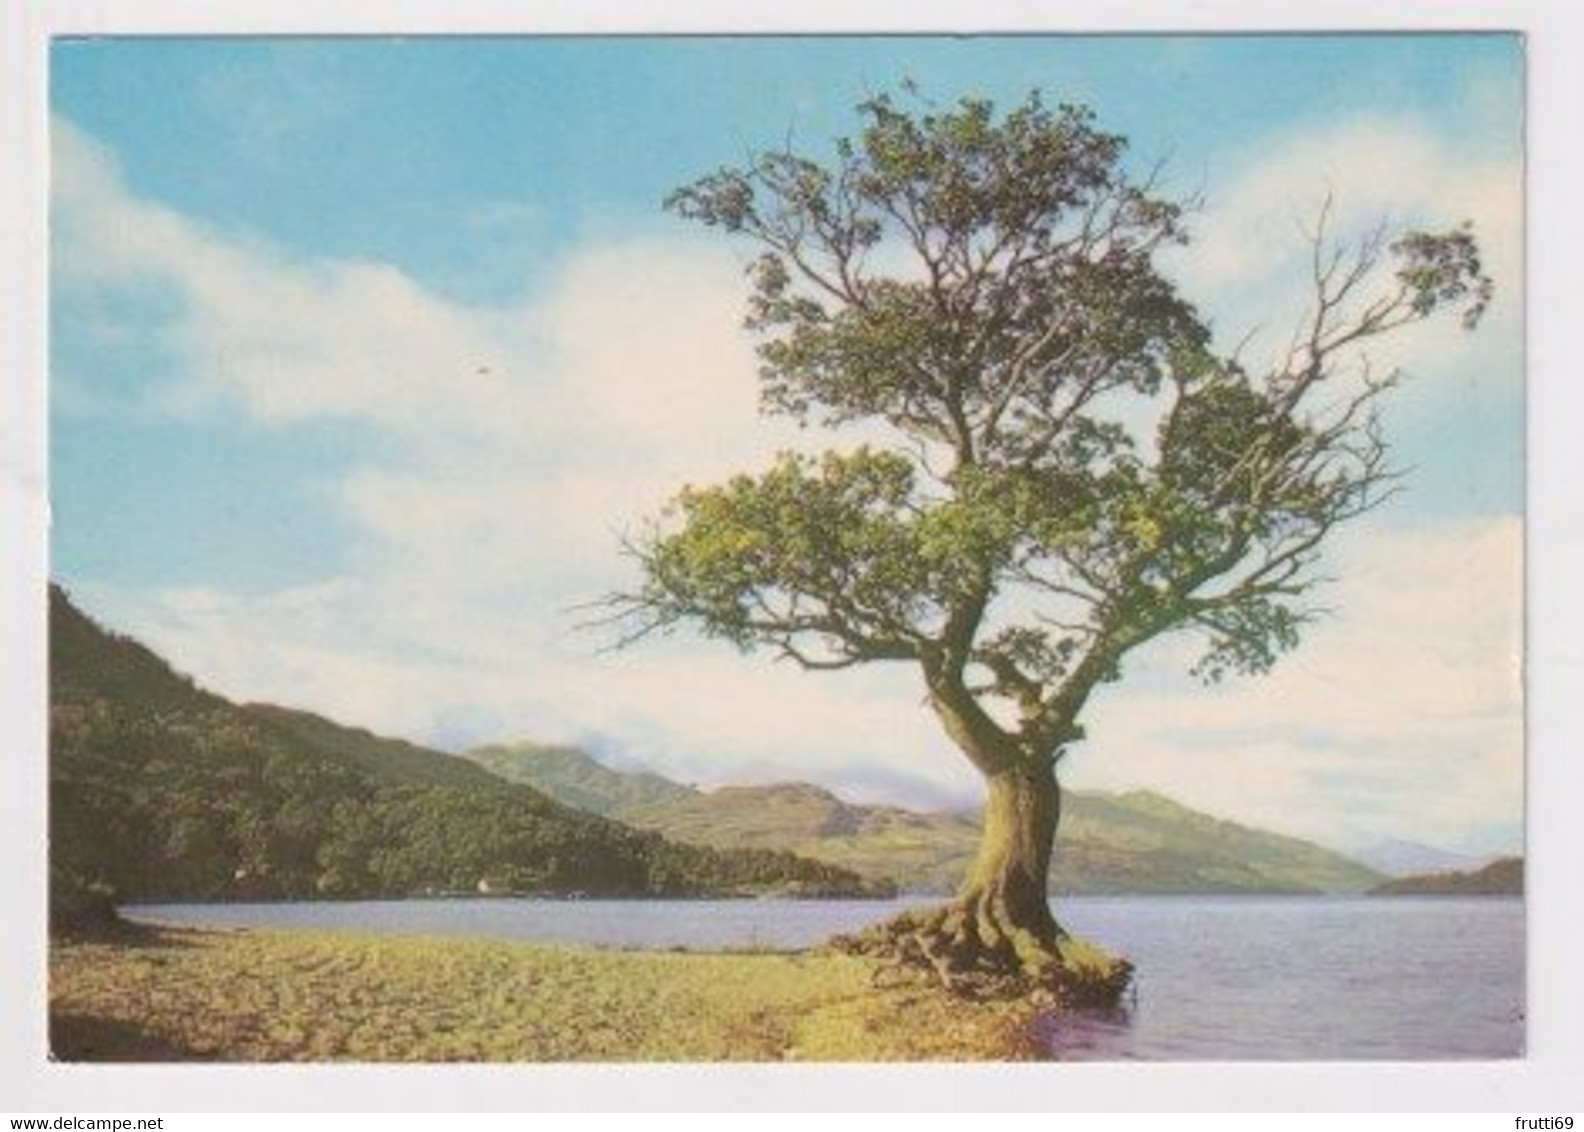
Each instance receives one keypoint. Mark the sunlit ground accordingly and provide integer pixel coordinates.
(305, 996)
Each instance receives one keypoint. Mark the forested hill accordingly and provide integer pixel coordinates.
(1137, 842)
(160, 790)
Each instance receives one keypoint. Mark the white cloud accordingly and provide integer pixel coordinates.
(288, 341)
(530, 434)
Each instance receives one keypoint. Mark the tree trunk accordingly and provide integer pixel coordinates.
(1002, 906)
(998, 937)
(1003, 901)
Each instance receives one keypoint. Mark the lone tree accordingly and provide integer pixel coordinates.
(1058, 466)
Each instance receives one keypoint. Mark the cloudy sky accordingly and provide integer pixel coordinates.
(364, 353)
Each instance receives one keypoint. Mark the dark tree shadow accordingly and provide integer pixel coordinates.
(130, 934)
(84, 1037)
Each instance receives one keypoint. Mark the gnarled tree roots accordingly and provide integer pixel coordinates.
(964, 949)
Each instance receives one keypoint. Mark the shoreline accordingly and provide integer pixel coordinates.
(159, 993)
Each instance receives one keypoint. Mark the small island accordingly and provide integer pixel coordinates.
(1504, 877)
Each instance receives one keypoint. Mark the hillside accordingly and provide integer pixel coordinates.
(1499, 878)
(160, 790)
(1142, 841)
(1137, 842)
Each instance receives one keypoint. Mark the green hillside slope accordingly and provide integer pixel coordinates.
(1137, 842)
(1141, 841)
(160, 790)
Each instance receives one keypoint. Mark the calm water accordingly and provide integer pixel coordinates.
(1219, 978)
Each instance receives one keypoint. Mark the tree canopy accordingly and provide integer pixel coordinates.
(1057, 463)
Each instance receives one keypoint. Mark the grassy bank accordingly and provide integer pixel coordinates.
(253, 995)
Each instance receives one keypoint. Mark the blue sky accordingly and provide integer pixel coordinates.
(364, 352)
(378, 148)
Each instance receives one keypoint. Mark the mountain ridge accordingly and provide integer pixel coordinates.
(583, 781)
(1396, 857)
(1139, 841)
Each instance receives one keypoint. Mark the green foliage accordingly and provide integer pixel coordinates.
(160, 791)
(824, 547)
(1445, 269)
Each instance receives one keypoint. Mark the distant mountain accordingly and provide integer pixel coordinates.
(574, 779)
(1136, 842)
(1504, 877)
(160, 790)
(1397, 858)
(1140, 841)
(921, 851)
